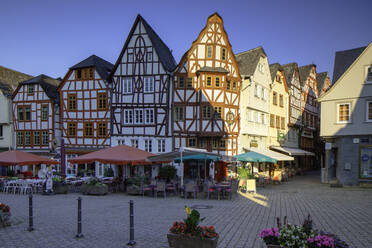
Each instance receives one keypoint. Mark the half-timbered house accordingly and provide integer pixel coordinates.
(85, 109)
(36, 115)
(324, 82)
(141, 99)
(206, 94)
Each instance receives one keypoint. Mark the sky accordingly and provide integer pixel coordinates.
(48, 37)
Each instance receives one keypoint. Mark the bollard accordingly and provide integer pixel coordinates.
(79, 234)
(131, 223)
(30, 214)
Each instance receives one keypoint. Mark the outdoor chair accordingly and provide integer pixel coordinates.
(160, 187)
(189, 187)
(172, 187)
(227, 191)
(25, 188)
(146, 188)
(261, 181)
(211, 189)
(9, 187)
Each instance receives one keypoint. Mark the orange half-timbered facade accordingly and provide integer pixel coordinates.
(85, 106)
(141, 98)
(36, 115)
(206, 93)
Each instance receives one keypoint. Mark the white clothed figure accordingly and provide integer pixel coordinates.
(49, 182)
(211, 170)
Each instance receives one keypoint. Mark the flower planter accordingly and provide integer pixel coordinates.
(182, 241)
(134, 190)
(4, 219)
(94, 189)
(273, 246)
(60, 188)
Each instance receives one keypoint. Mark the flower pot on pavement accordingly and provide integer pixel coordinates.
(182, 241)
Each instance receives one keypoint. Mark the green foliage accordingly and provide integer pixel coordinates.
(93, 182)
(167, 172)
(136, 180)
(245, 173)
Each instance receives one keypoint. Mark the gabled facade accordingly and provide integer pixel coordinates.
(346, 117)
(206, 93)
(324, 82)
(254, 102)
(9, 80)
(294, 112)
(141, 93)
(36, 116)
(278, 106)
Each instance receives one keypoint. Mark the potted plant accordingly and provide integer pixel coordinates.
(134, 185)
(271, 237)
(245, 174)
(94, 187)
(59, 186)
(4, 215)
(167, 172)
(189, 234)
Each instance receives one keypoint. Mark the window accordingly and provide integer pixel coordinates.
(161, 145)
(258, 118)
(202, 143)
(281, 101)
(102, 129)
(27, 138)
(19, 138)
(369, 110)
(282, 121)
(215, 143)
(218, 112)
(206, 113)
(149, 84)
(36, 138)
(1, 131)
(139, 116)
(223, 53)
(20, 113)
(149, 56)
(261, 67)
(102, 101)
(217, 82)
(209, 81)
(263, 93)
(27, 113)
(343, 112)
(78, 74)
(178, 112)
(71, 129)
(127, 85)
(278, 78)
(128, 116)
(228, 85)
(71, 102)
(91, 73)
(149, 115)
(44, 138)
(256, 90)
(250, 114)
(272, 120)
(222, 144)
(234, 85)
(181, 82)
(148, 145)
(209, 52)
(30, 89)
(88, 129)
(189, 83)
(263, 117)
(191, 142)
(275, 98)
(44, 112)
(134, 143)
(277, 121)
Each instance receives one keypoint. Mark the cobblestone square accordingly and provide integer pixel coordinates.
(345, 211)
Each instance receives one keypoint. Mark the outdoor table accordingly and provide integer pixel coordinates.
(221, 188)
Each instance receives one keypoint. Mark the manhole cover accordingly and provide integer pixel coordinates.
(201, 207)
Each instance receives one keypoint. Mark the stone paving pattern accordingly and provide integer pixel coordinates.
(345, 211)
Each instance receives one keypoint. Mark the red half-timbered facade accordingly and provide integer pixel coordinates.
(141, 99)
(36, 115)
(206, 93)
(85, 106)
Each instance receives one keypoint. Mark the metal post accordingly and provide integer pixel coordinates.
(131, 223)
(79, 234)
(30, 214)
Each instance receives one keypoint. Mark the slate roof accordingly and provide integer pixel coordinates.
(343, 61)
(289, 69)
(304, 72)
(9, 80)
(48, 84)
(248, 60)
(273, 69)
(102, 66)
(212, 69)
(165, 55)
(321, 77)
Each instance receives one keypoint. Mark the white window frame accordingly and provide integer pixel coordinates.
(338, 112)
(138, 116)
(127, 85)
(161, 145)
(134, 143)
(368, 70)
(149, 116)
(261, 67)
(148, 84)
(148, 145)
(128, 116)
(367, 103)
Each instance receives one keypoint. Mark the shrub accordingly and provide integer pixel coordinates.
(167, 172)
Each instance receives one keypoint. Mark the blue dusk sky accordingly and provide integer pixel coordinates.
(50, 36)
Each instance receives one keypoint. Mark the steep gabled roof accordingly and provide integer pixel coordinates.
(289, 69)
(102, 66)
(164, 53)
(304, 72)
(9, 80)
(343, 61)
(321, 78)
(48, 84)
(248, 60)
(273, 69)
